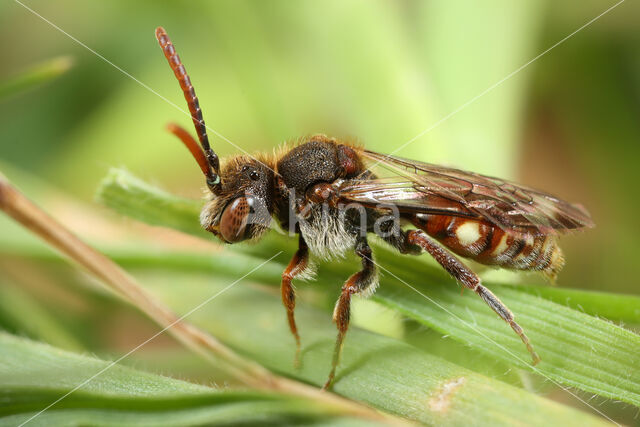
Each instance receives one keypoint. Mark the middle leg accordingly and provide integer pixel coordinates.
(297, 266)
(359, 282)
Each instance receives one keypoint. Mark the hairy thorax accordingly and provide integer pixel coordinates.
(320, 160)
(327, 233)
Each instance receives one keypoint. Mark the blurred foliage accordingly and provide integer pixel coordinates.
(268, 72)
(35, 76)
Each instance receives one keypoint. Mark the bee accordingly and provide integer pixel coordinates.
(326, 192)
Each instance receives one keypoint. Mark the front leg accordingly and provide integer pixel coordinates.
(359, 282)
(297, 265)
(320, 193)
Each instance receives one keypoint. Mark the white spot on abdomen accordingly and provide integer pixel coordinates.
(468, 233)
(502, 246)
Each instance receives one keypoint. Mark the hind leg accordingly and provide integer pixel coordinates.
(359, 282)
(469, 279)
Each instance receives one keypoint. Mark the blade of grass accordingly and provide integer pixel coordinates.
(577, 350)
(227, 264)
(235, 318)
(127, 193)
(20, 312)
(381, 371)
(615, 307)
(264, 339)
(32, 375)
(587, 377)
(35, 76)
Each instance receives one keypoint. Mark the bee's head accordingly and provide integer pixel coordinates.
(241, 203)
(242, 208)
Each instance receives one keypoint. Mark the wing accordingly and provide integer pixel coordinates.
(417, 187)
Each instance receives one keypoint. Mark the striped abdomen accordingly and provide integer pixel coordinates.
(487, 244)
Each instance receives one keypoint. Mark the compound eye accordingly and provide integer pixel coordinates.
(233, 222)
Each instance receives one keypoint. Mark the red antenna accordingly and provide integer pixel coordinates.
(211, 171)
(192, 146)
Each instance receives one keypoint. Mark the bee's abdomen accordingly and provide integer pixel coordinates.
(488, 244)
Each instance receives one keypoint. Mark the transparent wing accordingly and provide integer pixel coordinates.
(417, 187)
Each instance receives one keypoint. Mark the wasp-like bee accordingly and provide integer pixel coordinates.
(311, 190)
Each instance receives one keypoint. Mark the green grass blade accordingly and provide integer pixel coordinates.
(21, 313)
(402, 299)
(614, 307)
(381, 371)
(576, 349)
(617, 307)
(131, 196)
(35, 76)
(34, 375)
(397, 368)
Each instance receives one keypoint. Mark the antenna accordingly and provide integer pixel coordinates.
(213, 179)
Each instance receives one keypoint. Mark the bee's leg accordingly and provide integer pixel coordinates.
(359, 282)
(469, 279)
(297, 265)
